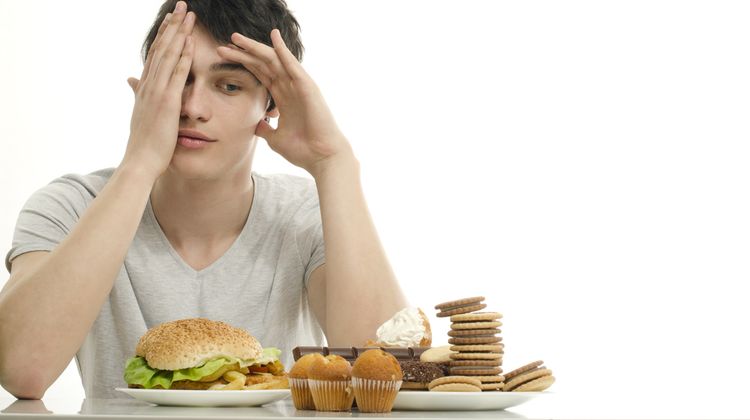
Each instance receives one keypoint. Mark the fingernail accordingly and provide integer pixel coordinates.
(180, 7)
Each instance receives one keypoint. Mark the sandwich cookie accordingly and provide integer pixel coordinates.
(481, 325)
(455, 384)
(476, 359)
(460, 306)
(474, 348)
(477, 317)
(476, 356)
(493, 363)
(489, 339)
(487, 332)
(529, 379)
(475, 371)
(525, 368)
(492, 382)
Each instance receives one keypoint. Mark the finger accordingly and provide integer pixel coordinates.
(174, 25)
(262, 52)
(182, 69)
(288, 60)
(133, 82)
(170, 20)
(257, 67)
(157, 39)
(174, 51)
(264, 130)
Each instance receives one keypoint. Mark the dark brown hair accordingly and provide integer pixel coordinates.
(252, 18)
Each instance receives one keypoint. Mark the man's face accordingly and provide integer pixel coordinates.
(224, 102)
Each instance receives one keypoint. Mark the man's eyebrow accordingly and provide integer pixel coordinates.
(232, 67)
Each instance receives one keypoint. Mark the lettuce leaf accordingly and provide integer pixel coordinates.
(269, 355)
(138, 372)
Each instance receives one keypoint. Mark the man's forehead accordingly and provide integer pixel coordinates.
(228, 66)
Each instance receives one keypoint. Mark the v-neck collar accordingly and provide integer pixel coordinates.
(254, 208)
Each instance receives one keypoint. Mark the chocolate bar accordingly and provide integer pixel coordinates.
(351, 353)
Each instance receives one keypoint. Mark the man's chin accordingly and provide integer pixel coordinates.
(190, 168)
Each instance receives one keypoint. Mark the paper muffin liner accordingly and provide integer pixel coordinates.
(374, 396)
(331, 395)
(301, 395)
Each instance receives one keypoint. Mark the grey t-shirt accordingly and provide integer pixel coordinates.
(259, 284)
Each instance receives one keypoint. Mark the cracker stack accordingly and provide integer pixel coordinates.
(475, 337)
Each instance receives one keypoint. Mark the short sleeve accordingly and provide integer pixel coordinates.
(309, 236)
(46, 218)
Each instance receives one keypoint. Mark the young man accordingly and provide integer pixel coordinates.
(184, 228)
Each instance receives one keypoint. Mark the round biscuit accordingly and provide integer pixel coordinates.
(457, 388)
(477, 316)
(487, 332)
(468, 348)
(522, 369)
(458, 341)
(459, 302)
(476, 356)
(475, 325)
(524, 377)
(490, 378)
(468, 371)
(460, 310)
(494, 362)
(537, 385)
(495, 386)
(454, 379)
(439, 354)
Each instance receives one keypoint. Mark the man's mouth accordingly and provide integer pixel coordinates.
(194, 134)
(193, 139)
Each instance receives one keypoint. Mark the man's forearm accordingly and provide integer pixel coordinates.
(361, 288)
(46, 313)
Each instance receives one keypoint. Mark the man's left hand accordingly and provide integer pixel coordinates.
(306, 134)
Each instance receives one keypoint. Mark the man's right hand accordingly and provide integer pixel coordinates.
(158, 94)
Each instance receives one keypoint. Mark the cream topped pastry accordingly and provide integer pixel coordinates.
(409, 327)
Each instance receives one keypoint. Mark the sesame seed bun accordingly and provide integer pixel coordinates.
(188, 343)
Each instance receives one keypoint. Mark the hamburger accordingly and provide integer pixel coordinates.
(202, 354)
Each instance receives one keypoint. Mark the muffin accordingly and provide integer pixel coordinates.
(330, 382)
(376, 378)
(301, 395)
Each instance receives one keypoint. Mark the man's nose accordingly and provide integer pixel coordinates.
(194, 103)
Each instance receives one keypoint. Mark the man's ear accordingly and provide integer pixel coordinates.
(274, 113)
(133, 82)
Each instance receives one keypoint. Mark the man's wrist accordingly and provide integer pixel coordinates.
(136, 174)
(343, 164)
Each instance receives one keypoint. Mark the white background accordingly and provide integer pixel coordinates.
(583, 165)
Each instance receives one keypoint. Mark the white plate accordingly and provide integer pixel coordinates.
(446, 401)
(193, 398)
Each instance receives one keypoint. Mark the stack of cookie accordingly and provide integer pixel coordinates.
(475, 337)
(533, 377)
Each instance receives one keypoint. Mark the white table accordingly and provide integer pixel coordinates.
(582, 405)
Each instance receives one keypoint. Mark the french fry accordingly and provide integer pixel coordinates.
(219, 373)
(236, 380)
(280, 382)
(233, 375)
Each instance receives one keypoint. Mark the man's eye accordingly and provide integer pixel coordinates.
(229, 87)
